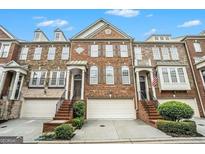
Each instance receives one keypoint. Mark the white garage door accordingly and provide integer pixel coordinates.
(190, 102)
(38, 108)
(110, 109)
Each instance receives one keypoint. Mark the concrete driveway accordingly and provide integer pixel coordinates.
(200, 122)
(117, 130)
(30, 129)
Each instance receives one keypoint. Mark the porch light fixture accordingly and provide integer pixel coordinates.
(110, 94)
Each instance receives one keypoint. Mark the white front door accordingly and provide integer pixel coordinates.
(110, 109)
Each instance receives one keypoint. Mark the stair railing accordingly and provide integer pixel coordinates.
(60, 101)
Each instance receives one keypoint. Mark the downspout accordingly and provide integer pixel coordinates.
(195, 82)
(134, 79)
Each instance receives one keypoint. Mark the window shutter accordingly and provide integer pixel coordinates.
(116, 51)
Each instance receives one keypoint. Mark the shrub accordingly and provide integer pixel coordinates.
(183, 128)
(47, 136)
(64, 132)
(175, 110)
(78, 122)
(78, 109)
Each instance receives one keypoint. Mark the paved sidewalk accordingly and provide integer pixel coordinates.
(97, 130)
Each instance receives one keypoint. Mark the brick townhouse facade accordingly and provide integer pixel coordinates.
(114, 74)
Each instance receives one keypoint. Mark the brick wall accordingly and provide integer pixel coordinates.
(102, 90)
(189, 42)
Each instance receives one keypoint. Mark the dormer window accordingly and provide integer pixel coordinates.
(37, 36)
(57, 37)
(156, 38)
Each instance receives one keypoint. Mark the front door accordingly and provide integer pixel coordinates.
(77, 87)
(143, 87)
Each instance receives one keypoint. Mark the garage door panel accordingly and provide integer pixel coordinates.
(110, 109)
(38, 108)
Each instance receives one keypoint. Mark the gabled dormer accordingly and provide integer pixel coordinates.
(159, 38)
(39, 36)
(59, 35)
(5, 34)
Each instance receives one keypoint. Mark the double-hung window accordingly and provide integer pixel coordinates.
(109, 51)
(138, 53)
(37, 53)
(4, 51)
(156, 53)
(181, 75)
(51, 53)
(197, 47)
(165, 53)
(65, 53)
(93, 75)
(165, 75)
(24, 53)
(173, 75)
(94, 51)
(57, 79)
(123, 50)
(174, 53)
(125, 75)
(109, 75)
(37, 78)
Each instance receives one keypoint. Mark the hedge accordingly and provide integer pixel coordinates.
(182, 128)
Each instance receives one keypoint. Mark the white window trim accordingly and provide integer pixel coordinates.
(113, 78)
(57, 78)
(197, 47)
(109, 53)
(165, 49)
(40, 51)
(1, 52)
(124, 50)
(174, 85)
(94, 51)
(51, 56)
(24, 53)
(65, 49)
(125, 68)
(38, 79)
(138, 53)
(156, 53)
(175, 56)
(94, 68)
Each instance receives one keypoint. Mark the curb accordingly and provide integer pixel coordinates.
(156, 140)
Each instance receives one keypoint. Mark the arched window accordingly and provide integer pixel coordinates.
(93, 75)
